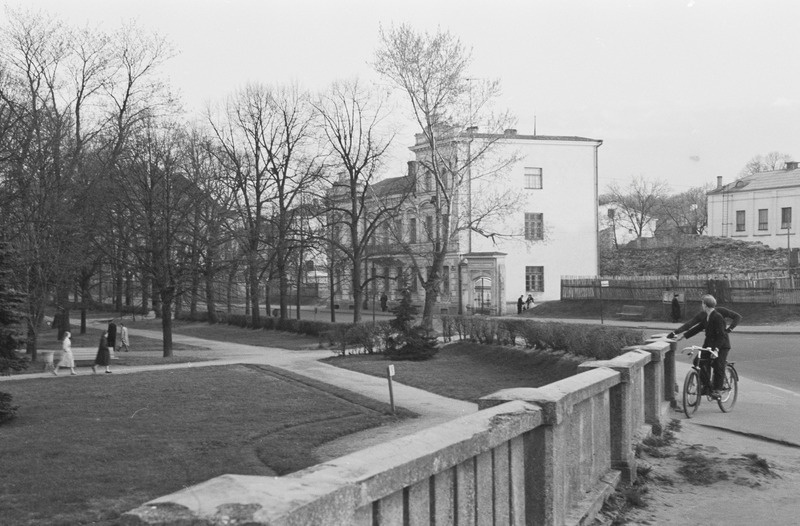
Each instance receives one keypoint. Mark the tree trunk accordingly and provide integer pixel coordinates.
(253, 283)
(167, 296)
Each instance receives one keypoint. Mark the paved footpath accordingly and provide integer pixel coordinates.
(431, 408)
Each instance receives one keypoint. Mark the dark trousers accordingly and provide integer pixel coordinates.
(718, 365)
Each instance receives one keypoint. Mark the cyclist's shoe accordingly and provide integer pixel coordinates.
(715, 395)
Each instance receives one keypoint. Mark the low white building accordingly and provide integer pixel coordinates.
(757, 207)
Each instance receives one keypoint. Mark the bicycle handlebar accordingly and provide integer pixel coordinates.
(697, 348)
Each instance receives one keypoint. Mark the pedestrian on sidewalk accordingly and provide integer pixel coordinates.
(520, 302)
(112, 335)
(123, 337)
(676, 309)
(384, 302)
(67, 359)
(103, 357)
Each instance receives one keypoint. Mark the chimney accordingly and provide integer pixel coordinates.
(510, 131)
(412, 168)
(792, 165)
(719, 181)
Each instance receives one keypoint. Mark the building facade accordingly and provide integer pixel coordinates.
(758, 207)
(523, 214)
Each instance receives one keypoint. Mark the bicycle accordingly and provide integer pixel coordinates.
(698, 382)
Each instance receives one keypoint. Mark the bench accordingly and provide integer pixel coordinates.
(632, 312)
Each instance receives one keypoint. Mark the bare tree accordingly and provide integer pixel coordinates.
(432, 71)
(638, 203)
(352, 118)
(764, 163)
(159, 200)
(687, 211)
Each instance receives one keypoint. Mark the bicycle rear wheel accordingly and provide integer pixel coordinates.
(730, 390)
(691, 393)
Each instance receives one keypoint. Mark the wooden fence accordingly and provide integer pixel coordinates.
(779, 290)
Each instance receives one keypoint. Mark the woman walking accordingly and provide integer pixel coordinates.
(103, 354)
(67, 359)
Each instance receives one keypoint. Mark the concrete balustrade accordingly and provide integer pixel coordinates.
(545, 456)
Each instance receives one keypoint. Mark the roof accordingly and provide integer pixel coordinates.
(393, 185)
(762, 181)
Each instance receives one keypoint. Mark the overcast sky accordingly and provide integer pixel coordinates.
(679, 91)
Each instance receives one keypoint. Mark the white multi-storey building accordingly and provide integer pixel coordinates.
(548, 230)
(757, 207)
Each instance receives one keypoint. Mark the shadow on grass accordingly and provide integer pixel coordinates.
(88, 448)
(468, 371)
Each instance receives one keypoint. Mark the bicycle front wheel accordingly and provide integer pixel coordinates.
(691, 393)
(730, 390)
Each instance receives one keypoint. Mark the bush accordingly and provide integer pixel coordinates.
(370, 336)
(409, 342)
(7, 411)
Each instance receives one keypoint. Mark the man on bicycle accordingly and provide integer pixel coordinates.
(712, 320)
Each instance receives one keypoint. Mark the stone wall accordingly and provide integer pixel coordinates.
(545, 456)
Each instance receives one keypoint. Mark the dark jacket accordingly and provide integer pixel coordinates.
(714, 325)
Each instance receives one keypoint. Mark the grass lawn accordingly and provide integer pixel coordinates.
(229, 333)
(468, 371)
(86, 449)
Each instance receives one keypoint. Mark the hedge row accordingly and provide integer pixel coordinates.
(593, 341)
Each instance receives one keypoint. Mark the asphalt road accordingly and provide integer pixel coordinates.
(772, 359)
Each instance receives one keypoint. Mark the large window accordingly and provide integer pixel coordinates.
(763, 219)
(534, 226)
(429, 228)
(412, 230)
(740, 220)
(786, 217)
(533, 178)
(534, 279)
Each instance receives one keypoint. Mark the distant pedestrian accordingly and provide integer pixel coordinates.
(676, 309)
(67, 359)
(384, 302)
(112, 335)
(123, 337)
(103, 355)
(520, 303)
(529, 302)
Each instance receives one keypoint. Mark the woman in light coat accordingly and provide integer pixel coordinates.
(67, 359)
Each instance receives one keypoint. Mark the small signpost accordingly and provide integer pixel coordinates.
(389, 374)
(603, 284)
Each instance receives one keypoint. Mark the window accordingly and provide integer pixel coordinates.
(429, 227)
(413, 280)
(534, 279)
(763, 219)
(412, 230)
(533, 178)
(445, 226)
(740, 220)
(786, 217)
(401, 279)
(428, 182)
(446, 281)
(534, 227)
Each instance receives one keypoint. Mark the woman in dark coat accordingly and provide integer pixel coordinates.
(103, 355)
